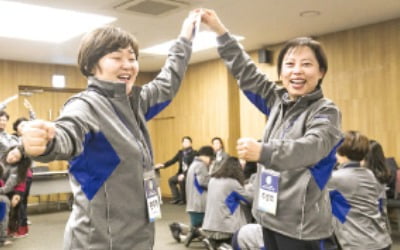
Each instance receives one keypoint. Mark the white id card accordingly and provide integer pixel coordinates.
(268, 191)
(153, 199)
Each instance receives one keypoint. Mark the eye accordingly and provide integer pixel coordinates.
(289, 64)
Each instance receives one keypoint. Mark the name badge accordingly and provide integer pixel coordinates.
(153, 199)
(268, 191)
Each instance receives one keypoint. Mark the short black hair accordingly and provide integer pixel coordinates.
(206, 151)
(220, 141)
(4, 113)
(355, 146)
(100, 42)
(187, 137)
(314, 45)
(19, 121)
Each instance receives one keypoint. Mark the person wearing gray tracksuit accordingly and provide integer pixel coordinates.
(196, 184)
(358, 199)
(197, 179)
(297, 153)
(102, 132)
(227, 194)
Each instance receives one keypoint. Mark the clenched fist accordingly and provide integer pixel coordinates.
(35, 136)
(249, 149)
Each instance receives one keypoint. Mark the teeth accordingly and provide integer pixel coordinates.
(124, 77)
(298, 81)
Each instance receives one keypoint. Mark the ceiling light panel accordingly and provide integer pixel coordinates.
(38, 23)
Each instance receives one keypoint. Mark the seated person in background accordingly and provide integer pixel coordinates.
(220, 154)
(375, 161)
(248, 237)
(185, 157)
(14, 167)
(4, 211)
(355, 196)
(18, 126)
(6, 140)
(224, 215)
(196, 190)
(249, 169)
(250, 174)
(392, 166)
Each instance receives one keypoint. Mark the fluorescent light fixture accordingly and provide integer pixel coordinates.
(58, 81)
(38, 23)
(202, 41)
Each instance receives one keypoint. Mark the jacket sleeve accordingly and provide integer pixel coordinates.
(157, 94)
(76, 121)
(243, 192)
(10, 183)
(321, 138)
(254, 83)
(173, 160)
(203, 177)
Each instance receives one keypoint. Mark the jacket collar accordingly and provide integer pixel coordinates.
(351, 164)
(110, 89)
(305, 100)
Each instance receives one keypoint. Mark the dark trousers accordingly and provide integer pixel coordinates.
(24, 206)
(277, 241)
(177, 193)
(14, 219)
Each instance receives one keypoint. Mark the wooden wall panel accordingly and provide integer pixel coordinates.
(252, 120)
(200, 110)
(362, 79)
(14, 74)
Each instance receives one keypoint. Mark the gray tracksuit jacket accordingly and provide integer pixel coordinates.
(223, 209)
(197, 179)
(249, 237)
(299, 142)
(358, 207)
(103, 133)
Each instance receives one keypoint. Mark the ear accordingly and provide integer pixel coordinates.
(322, 74)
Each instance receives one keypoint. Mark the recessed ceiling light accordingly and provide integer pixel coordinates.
(38, 23)
(202, 41)
(310, 13)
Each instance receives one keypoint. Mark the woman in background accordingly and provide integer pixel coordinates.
(220, 154)
(356, 197)
(196, 190)
(226, 193)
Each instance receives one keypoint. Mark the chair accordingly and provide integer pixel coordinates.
(395, 202)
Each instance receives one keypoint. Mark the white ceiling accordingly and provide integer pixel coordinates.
(261, 22)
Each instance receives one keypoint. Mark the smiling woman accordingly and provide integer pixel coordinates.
(102, 132)
(301, 66)
(118, 66)
(297, 151)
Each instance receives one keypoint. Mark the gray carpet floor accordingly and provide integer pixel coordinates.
(46, 230)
